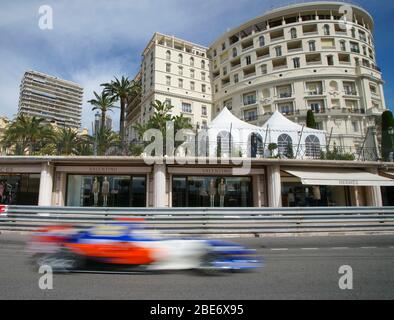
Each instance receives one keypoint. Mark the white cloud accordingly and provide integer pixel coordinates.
(91, 78)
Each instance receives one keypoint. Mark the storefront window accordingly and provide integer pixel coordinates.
(106, 191)
(295, 194)
(388, 196)
(19, 189)
(211, 192)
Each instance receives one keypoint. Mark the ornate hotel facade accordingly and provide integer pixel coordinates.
(177, 72)
(292, 59)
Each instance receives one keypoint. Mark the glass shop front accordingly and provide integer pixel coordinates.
(295, 194)
(19, 189)
(106, 191)
(211, 191)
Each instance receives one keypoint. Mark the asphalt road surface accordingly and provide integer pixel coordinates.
(295, 268)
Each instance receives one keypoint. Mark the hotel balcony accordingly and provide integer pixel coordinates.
(352, 93)
(285, 95)
(251, 118)
(313, 93)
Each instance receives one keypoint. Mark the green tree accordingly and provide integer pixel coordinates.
(103, 103)
(162, 115)
(387, 137)
(27, 135)
(85, 146)
(272, 147)
(66, 141)
(310, 120)
(121, 90)
(107, 142)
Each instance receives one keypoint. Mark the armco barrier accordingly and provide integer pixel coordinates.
(215, 221)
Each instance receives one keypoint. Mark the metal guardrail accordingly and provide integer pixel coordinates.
(205, 221)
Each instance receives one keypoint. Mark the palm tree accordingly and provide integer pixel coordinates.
(121, 90)
(161, 116)
(85, 146)
(104, 103)
(66, 141)
(107, 140)
(159, 120)
(27, 134)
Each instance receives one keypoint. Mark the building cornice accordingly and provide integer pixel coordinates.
(187, 161)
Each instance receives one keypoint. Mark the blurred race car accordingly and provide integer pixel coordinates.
(125, 245)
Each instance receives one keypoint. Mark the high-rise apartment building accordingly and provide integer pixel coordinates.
(308, 56)
(177, 72)
(57, 101)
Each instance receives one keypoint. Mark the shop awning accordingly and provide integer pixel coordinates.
(339, 177)
(389, 174)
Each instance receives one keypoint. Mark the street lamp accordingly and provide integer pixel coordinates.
(96, 129)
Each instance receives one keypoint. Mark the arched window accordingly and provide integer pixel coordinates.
(312, 145)
(256, 145)
(235, 53)
(223, 144)
(353, 31)
(262, 41)
(168, 55)
(192, 61)
(326, 30)
(180, 58)
(285, 145)
(293, 33)
(202, 64)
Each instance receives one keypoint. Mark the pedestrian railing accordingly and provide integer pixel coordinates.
(209, 221)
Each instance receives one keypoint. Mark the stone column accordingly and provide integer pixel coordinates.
(159, 186)
(357, 196)
(274, 187)
(257, 203)
(46, 185)
(60, 189)
(374, 194)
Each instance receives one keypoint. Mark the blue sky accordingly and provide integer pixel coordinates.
(95, 40)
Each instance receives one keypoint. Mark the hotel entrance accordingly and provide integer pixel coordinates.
(212, 191)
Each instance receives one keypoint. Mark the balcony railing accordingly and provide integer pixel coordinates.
(285, 95)
(315, 92)
(313, 62)
(351, 93)
(284, 66)
(251, 118)
(277, 38)
(248, 48)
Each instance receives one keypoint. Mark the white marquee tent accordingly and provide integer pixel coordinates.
(283, 132)
(232, 131)
(248, 140)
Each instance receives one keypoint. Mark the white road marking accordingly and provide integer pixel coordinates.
(280, 249)
(368, 247)
(309, 248)
(339, 248)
